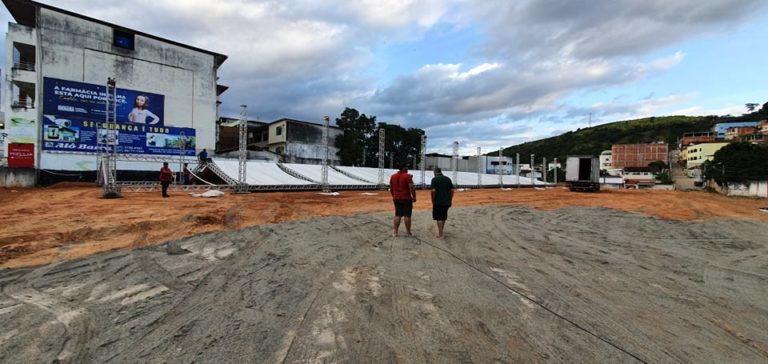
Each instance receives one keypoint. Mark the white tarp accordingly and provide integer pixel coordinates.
(259, 173)
(314, 172)
(269, 174)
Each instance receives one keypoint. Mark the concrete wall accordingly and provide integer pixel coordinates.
(750, 189)
(17, 177)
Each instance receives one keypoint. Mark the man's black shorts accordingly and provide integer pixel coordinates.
(440, 213)
(403, 208)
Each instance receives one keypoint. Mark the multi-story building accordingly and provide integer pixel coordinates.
(697, 137)
(738, 132)
(165, 99)
(696, 154)
(638, 155)
(301, 141)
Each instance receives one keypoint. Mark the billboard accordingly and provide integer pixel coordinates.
(86, 136)
(74, 120)
(70, 99)
(21, 155)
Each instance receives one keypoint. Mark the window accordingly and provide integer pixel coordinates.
(123, 39)
(279, 130)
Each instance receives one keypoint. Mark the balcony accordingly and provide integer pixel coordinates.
(24, 66)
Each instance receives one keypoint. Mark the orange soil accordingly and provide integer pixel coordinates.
(42, 225)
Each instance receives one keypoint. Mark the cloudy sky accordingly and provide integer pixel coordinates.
(485, 73)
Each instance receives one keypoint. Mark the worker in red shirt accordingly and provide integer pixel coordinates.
(166, 177)
(403, 195)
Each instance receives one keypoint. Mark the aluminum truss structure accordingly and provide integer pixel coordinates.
(324, 169)
(242, 156)
(107, 138)
(423, 160)
(455, 161)
(381, 157)
(479, 169)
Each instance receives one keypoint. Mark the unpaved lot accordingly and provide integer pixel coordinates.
(542, 276)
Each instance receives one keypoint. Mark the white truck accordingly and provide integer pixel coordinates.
(582, 173)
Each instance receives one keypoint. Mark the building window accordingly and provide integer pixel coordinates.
(279, 130)
(123, 39)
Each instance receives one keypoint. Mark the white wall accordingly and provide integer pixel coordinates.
(750, 189)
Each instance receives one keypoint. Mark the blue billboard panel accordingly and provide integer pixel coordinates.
(62, 133)
(88, 101)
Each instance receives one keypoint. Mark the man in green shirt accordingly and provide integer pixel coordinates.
(442, 196)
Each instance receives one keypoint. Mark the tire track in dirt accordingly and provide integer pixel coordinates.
(76, 321)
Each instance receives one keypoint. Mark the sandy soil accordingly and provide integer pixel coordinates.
(522, 276)
(70, 221)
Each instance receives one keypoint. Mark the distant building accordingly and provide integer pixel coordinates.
(697, 154)
(301, 141)
(697, 137)
(737, 132)
(228, 138)
(638, 155)
(762, 127)
(721, 129)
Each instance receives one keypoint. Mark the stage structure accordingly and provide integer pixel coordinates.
(242, 184)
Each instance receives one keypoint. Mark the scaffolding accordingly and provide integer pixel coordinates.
(455, 162)
(324, 169)
(423, 160)
(479, 170)
(381, 157)
(107, 140)
(500, 170)
(242, 157)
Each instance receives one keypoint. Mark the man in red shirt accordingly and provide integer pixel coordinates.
(166, 177)
(403, 195)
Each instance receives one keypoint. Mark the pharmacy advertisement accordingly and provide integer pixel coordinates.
(69, 134)
(88, 101)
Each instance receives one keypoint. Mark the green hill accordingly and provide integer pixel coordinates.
(592, 141)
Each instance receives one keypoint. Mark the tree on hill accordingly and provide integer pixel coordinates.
(738, 162)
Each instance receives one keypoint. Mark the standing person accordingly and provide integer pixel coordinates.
(140, 113)
(442, 196)
(403, 195)
(187, 173)
(166, 177)
(203, 156)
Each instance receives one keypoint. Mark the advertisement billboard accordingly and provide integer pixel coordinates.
(86, 136)
(71, 99)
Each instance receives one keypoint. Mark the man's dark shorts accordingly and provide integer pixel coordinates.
(403, 208)
(440, 213)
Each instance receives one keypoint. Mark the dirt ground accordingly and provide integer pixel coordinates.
(522, 276)
(43, 225)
